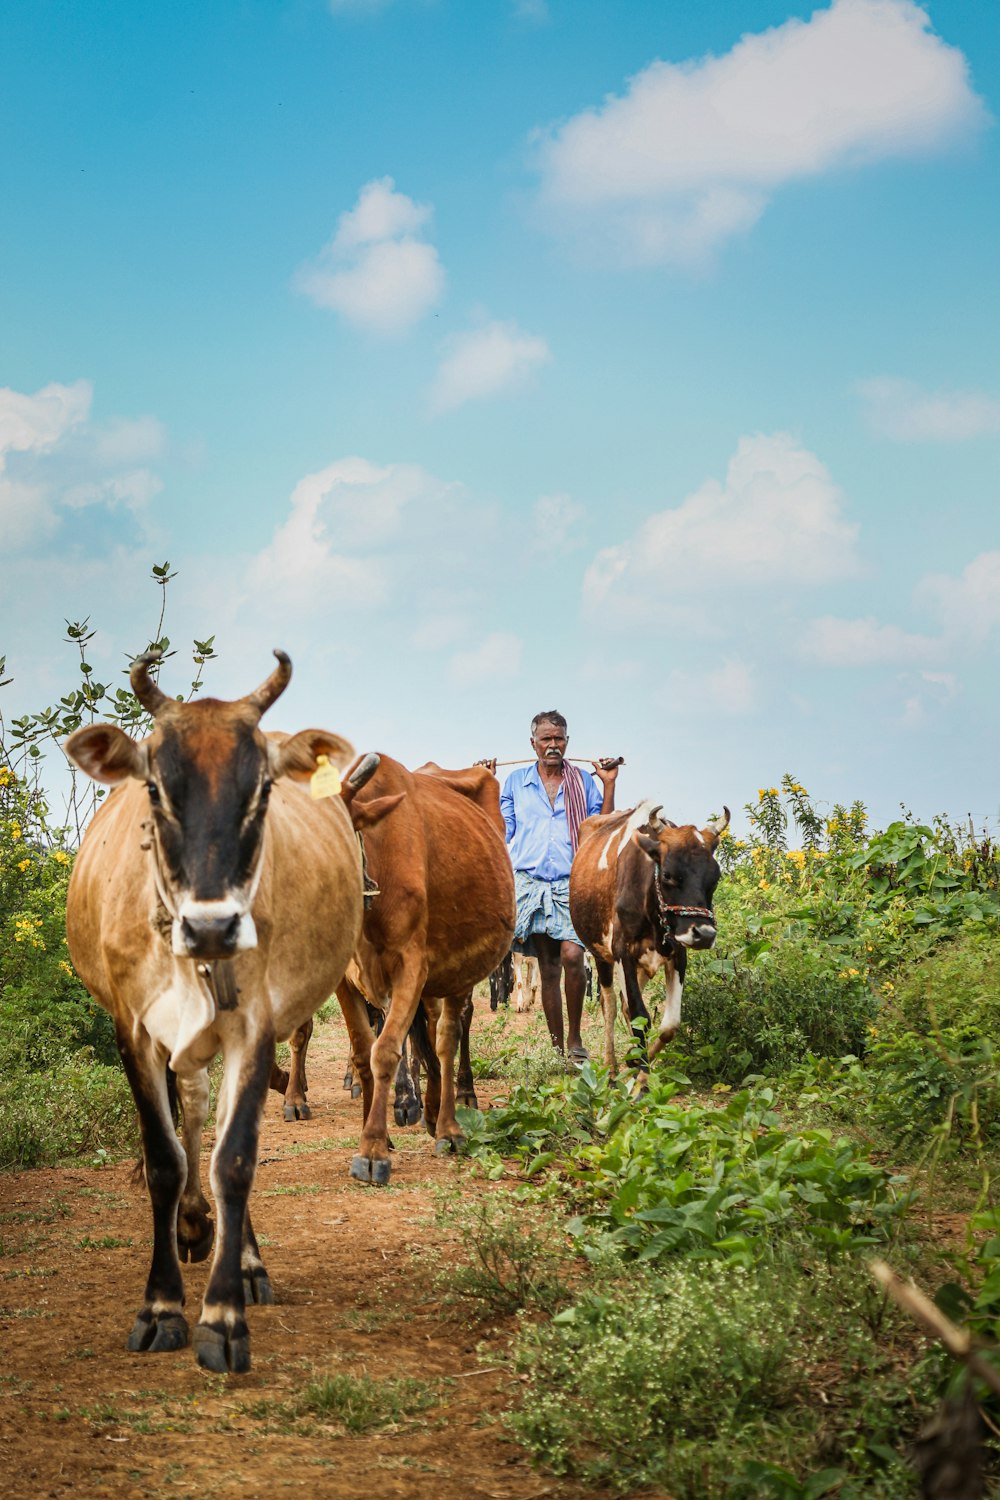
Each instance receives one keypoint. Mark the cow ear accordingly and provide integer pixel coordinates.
(646, 844)
(106, 753)
(716, 827)
(296, 757)
(367, 814)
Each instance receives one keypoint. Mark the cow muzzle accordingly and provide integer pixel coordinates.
(212, 929)
(699, 935)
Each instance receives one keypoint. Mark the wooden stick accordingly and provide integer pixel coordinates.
(579, 760)
(957, 1341)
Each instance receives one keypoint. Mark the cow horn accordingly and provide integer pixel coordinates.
(275, 685)
(145, 689)
(654, 820)
(718, 826)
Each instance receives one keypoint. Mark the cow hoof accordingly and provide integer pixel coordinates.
(222, 1354)
(305, 1113)
(349, 1079)
(467, 1101)
(448, 1144)
(407, 1114)
(361, 1168)
(381, 1172)
(257, 1287)
(194, 1246)
(355, 1091)
(152, 1334)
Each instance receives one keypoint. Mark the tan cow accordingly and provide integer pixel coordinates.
(442, 922)
(640, 894)
(213, 907)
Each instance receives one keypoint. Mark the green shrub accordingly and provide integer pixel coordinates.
(513, 1253)
(764, 1015)
(80, 1107)
(702, 1378)
(656, 1177)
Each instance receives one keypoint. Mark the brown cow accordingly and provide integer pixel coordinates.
(442, 921)
(213, 907)
(640, 894)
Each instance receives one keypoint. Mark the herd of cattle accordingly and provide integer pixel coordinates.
(219, 897)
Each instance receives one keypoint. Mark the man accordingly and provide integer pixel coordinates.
(543, 806)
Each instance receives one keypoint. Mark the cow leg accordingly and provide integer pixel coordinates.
(673, 971)
(466, 1083)
(359, 1029)
(407, 1107)
(609, 1006)
(423, 1038)
(448, 1134)
(221, 1338)
(256, 1282)
(372, 1161)
(160, 1323)
(195, 1230)
(296, 1107)
(637, 1011)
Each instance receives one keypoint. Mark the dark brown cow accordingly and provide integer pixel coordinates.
(442, 922)
(640, 894)
(213, 907)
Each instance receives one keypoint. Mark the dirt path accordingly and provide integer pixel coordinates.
(351, 1266)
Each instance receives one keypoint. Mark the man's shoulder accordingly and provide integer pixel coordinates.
(518, 777)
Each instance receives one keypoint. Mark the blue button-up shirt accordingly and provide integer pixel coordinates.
(537, 832)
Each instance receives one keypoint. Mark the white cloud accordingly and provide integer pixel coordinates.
(969, 606)
(54, 460)
(899, 410)
(536, 11)
(776, 519)
(497, 657)
(691, 152)
(556, 517)
(328, 551)
(834, 642)
(731, 689)
(491, 359)
(376, 271)
(35, 424)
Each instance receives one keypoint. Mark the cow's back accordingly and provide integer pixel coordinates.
(442, 868)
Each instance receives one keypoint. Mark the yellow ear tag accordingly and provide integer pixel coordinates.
(325, 780)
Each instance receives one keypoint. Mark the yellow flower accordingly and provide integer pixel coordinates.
(23, 864)
(15, 831)
(848, 974)
(888, 988)
(773, 792)
(65, 967)
(761, 793)
(797, 857)
(60, 856)
(764, 885)
(5, 777)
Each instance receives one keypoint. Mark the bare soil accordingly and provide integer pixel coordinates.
(352, 1267)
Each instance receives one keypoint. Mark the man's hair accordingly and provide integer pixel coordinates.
(551, 716)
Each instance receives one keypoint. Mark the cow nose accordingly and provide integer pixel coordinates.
(703, 935)
(211, 936)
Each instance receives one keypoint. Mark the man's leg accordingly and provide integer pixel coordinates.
(571, 956)
(547, 951)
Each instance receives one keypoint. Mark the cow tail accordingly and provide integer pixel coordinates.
(420, 1041)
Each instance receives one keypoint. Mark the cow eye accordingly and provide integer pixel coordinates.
(265, 792)
(154, 793)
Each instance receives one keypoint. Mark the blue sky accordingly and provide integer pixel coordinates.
(630, 358)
